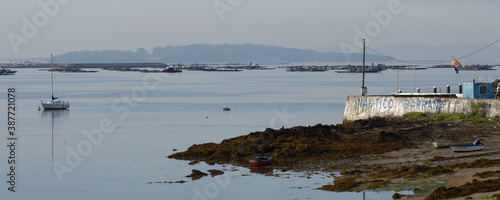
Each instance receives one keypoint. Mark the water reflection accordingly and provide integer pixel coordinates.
(262, 170)
(54, 114)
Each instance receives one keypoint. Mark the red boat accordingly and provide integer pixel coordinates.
(172, 70)
(261, 160)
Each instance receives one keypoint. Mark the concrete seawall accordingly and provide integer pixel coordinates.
(364, 107)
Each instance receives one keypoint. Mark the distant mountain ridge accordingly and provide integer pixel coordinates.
(207, 53)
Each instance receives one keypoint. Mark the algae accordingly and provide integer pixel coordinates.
(464, 190)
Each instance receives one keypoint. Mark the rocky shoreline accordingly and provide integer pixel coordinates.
(374, 154)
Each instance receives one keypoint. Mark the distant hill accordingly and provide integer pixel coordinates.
(206, 53)
(106, 56)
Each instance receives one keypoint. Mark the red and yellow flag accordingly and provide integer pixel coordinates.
(456, 63)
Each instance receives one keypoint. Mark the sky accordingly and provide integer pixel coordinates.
(37, 28)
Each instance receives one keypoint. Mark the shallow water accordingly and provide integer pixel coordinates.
(142, 118)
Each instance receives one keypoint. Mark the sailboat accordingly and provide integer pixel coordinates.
(55, 103)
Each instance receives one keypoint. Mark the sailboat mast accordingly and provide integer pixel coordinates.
(51, 78)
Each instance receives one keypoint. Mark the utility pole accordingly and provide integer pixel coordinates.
(397, 82)
(363, 88)
(414, 74)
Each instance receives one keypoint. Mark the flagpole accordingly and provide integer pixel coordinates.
(452, 71)
(457, 64)
(414, 73)
(397, 82)
(452, 75)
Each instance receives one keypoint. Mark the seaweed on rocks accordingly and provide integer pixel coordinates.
(196, 174)
(487, 174)
(371, 153)
(342, 185)
(292, 146)
(351, 172)
(376, 183)
(479, 163)
(414, 171)
(215, 172)
(464, 190)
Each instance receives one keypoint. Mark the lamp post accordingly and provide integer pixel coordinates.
(363, 88)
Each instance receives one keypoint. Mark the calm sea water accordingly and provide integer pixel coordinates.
(113, 142)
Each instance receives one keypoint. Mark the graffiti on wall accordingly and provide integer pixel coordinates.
(406, 104)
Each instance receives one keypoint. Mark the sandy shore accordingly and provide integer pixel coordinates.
(425, 151)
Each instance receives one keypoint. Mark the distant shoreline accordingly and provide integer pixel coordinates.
(89, 65)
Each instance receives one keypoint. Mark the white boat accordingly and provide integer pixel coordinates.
(475, 146)
(54, 103)
(441, 144)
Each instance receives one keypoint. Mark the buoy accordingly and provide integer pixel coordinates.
(206, 116)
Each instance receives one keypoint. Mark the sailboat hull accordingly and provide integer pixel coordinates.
(55, 105)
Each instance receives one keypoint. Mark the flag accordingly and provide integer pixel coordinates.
(456, 63)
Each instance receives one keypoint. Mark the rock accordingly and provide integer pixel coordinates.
(194, 162)
(196, 174)
(215, 172)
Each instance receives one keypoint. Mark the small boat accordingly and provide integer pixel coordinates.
(441, 144)
(172, 70)
(7, 72)
(261, 160)
(226, 109)
(475, 146)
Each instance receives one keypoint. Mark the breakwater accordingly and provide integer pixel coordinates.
(365, 107)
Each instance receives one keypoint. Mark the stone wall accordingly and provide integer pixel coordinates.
(364, 107)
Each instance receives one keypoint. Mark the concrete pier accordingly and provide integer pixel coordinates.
(364, 107)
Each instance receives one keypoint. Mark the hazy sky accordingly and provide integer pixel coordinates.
(37, 28)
